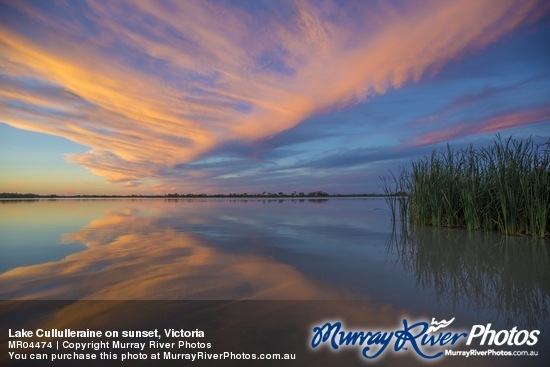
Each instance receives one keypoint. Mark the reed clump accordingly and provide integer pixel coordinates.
(505, 186)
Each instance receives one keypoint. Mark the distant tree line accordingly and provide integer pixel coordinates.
(265, 194)
(16, 195)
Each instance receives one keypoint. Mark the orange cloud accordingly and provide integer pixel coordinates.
(158, 85)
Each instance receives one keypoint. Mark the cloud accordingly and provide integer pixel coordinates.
(155, 86)
(475, 98)
(491, 124)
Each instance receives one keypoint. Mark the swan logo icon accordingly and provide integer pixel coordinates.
(439, 325)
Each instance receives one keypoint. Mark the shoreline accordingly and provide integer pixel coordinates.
(195, 196)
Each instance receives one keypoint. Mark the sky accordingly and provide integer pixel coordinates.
(156, 97)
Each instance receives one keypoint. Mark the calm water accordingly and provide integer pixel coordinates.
(221, 249)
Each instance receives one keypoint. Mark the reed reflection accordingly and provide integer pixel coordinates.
(509, 276)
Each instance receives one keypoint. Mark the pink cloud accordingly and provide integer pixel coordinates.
(492, 124)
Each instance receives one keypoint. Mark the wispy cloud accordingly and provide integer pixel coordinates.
(153, 86)
(491, 124)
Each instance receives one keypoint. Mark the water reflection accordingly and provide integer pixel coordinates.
(254, 200)
(262, 249)
(256, 250)
(131, 254)
(130, 257)
(479, 270)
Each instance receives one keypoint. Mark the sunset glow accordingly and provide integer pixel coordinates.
(151, 97)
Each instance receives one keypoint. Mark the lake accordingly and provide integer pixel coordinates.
(337, 257)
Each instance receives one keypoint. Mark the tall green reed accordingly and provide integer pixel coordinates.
(504, 186)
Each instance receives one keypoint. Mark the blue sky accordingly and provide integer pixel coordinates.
(237, 96)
